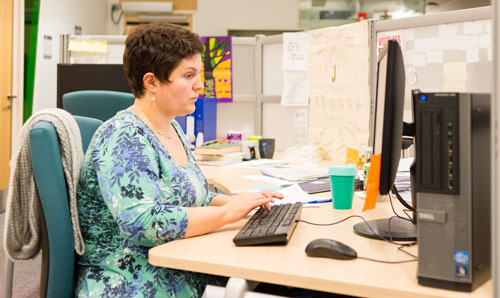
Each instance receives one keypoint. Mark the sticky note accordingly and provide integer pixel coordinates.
(352, 155)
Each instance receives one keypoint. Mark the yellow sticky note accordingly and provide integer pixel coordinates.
(75, 45)
(88, 45)
(352, 155)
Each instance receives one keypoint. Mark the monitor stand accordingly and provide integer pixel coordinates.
(400, 229)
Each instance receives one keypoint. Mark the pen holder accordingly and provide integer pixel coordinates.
(342, 183)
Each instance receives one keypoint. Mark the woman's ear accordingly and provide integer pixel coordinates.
(149, 81)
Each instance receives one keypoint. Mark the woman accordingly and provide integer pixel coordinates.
(140, 185)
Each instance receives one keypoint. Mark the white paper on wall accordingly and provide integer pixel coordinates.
(295, 51)
(295, 88)
(300, 126)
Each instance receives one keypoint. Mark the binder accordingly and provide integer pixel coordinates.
(205, 119)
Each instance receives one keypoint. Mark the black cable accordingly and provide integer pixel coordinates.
(113, 9)
(406, 212)
(400, 245)
(401, 200)
(362, 218)
(394, 211)
(388, 262)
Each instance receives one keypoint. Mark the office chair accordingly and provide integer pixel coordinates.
(216, 186)
(99, 104)
(58, 253)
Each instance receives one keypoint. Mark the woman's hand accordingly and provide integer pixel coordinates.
(239, 205)
(270, 194)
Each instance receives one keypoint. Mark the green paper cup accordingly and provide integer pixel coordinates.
(342, 183)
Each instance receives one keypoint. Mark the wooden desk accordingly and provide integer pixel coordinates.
(289, 265)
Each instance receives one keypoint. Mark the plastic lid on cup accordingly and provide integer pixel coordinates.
(345, 170)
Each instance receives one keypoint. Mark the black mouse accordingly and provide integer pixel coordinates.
(328, 248)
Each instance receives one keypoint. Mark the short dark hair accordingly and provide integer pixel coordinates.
(158, 48)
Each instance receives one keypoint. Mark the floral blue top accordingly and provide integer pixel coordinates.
(131, 197)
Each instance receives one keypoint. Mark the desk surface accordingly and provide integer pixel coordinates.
(289, 265)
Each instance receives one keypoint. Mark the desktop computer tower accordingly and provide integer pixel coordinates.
(453, 189)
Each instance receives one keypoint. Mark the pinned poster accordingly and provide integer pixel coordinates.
(217, 73)
(383, 37)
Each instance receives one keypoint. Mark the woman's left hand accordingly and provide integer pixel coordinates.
(270, 194)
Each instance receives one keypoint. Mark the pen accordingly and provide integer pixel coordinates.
(320, 201)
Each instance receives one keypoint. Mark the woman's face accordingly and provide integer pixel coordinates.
(178, 97)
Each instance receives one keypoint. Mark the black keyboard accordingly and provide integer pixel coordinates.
(273, 226)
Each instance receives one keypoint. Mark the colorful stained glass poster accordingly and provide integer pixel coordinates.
(217, 73)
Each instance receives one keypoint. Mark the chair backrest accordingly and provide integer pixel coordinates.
(99, 104)
(58, 254)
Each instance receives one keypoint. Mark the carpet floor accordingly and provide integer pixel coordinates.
(26, 274)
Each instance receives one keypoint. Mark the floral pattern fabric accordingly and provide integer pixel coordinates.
(131, 197)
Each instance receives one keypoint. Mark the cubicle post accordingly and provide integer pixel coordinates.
(495, 168)
(258, 85)
(64, 49)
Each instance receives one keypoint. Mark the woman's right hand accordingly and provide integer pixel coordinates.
(239, 205)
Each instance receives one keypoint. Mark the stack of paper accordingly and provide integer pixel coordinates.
(402, 181)
(296, 173)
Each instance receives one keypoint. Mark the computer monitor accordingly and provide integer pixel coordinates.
(387, 140)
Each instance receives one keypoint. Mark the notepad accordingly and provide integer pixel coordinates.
(316, 186)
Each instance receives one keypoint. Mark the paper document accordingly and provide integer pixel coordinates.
(296, 173)
(295, 88)
(293, 194)
(402, 181)
(258, 163)
(295, 51)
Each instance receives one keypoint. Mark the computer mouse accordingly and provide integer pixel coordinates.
(328, 248)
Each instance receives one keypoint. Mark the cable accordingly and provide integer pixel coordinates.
(400, 245)
(388, 262)
(362, 218)
(394, 211)
(400, 199)
(113, 9)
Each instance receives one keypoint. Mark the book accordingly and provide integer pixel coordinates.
(227, 156)
(217, 149)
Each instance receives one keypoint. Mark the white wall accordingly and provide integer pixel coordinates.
(112, 28)
(60, 17)
(215, 17)
(448, 5)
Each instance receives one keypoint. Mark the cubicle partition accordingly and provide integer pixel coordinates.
(442, 52)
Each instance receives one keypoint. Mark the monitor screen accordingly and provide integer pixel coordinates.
(387, 141)
(388, 128)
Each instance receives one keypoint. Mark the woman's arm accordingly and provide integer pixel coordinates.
(220, 200)
(225, 209)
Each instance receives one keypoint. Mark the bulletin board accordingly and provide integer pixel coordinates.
(339, 88)
(446, 52)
